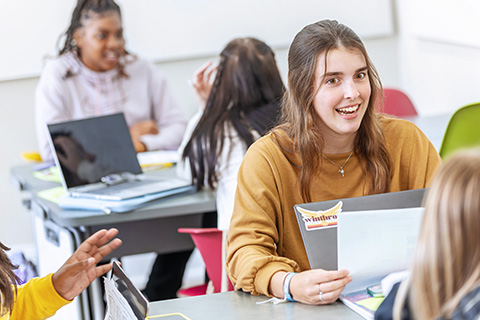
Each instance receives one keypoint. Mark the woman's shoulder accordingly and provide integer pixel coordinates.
(469, 306)
(396, 123)
(58, 65)
(138, 65)
(277, 145)
(275, 138)
(395, 128)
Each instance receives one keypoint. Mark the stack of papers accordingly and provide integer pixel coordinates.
(153, 160)
(362, 303)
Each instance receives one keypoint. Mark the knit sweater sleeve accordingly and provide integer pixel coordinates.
(166, 112)
(252, 257)
(37, 299)
(50, 104)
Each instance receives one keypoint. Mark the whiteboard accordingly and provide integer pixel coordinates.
(165, 30)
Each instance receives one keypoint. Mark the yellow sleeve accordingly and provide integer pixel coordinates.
(37, 299)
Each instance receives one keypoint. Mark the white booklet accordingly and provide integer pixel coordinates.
(371, 245)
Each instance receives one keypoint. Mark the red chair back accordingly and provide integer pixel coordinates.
(209, 242)
(397, 103)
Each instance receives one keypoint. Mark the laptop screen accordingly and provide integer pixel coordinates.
(87, 150)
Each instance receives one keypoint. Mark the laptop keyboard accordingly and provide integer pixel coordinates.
(122, 186)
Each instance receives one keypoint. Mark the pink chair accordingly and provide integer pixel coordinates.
(209, 242)
(397, 103)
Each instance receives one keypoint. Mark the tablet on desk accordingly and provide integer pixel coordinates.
(137, 302)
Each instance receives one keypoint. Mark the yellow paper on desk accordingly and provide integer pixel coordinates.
(52, 194)
(48, 174)
(154, 160)
(371, 303)
(32, 156)
(172, 316)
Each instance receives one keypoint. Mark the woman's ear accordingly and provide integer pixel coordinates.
(78, 38)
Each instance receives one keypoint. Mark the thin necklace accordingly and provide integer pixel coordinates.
(340, 170)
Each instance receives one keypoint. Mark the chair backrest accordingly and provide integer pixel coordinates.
(463, 130)
(397, 103)
(209, 242)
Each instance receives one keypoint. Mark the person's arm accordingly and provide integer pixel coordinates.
(40, 298)
(306, 286)
(252, 257)
(183, 167)
(167, 115)
(203, 82)
(37, 299)
(253, 263)
(50, 105)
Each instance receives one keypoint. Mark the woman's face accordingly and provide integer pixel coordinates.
(343, 92)
(100, 41)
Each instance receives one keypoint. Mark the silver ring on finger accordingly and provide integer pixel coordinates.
(320, 294)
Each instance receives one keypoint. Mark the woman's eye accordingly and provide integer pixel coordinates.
(332, 81)
(101, 36)
(361, 75)
(120, 35)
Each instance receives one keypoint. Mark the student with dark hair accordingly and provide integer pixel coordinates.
(330, 144)
(40, 298)
(444, 282)
(94, 75)
(239, 106)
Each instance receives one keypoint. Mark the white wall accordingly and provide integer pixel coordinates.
(439, 42)
(169, 30)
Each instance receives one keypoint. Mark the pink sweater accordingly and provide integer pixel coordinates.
(144, 95)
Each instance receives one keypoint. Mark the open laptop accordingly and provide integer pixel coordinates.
(96, 159)
(318, 221)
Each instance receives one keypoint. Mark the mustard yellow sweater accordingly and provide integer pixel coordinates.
(264, 237)
(36, 300)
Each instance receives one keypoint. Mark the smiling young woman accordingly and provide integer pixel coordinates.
(94, 75)
(330, 144)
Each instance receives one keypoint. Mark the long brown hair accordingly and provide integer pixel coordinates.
(246, 94)
(446, 264)
(300, 120)
(7, 280)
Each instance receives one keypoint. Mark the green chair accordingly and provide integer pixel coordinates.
(463, 130)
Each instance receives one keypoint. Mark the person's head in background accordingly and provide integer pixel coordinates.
(247, 80)
(329, 106)
(446, 264)
(95, 35)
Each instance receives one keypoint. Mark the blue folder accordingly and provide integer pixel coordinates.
(109, 206)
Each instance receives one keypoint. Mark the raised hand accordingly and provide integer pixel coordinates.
(203, 82)
(80, 269)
